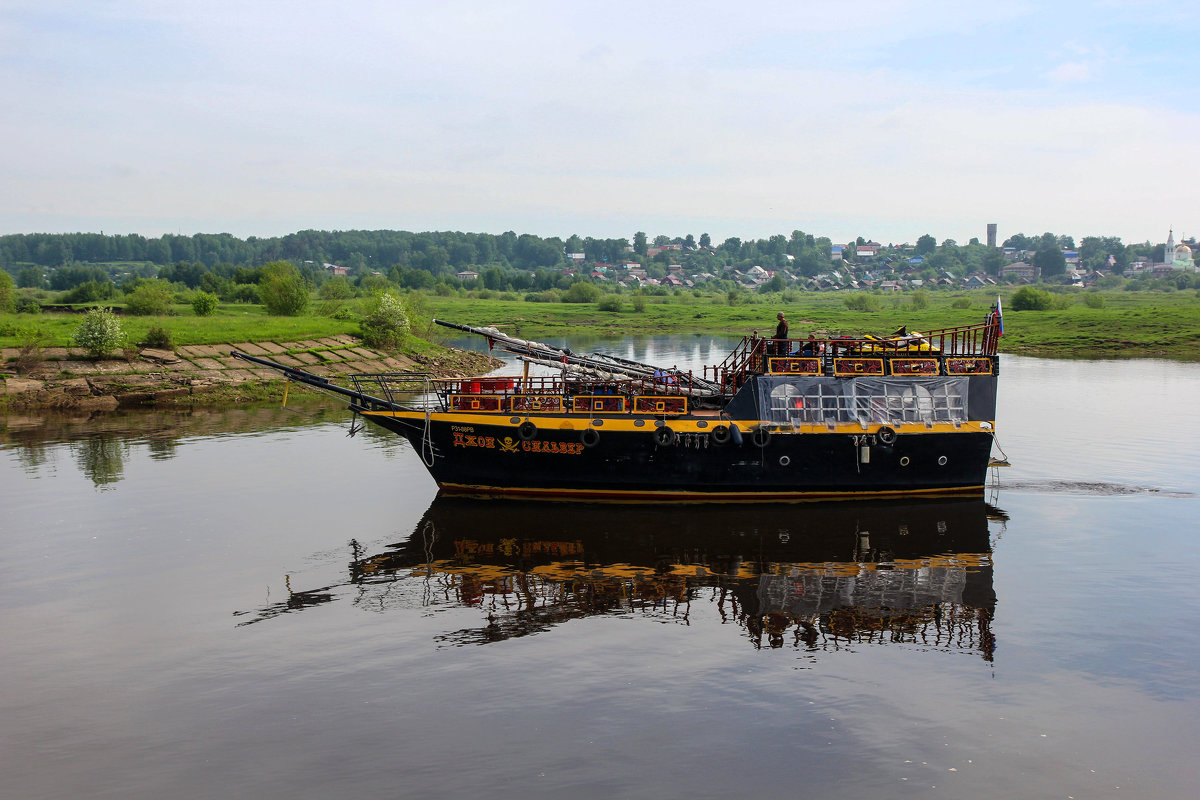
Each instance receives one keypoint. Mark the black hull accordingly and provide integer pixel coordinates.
(477, 458)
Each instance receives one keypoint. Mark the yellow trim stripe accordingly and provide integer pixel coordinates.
(658, 496)
(625, 424)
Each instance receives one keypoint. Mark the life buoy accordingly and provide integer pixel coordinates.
(664, 436)
(526, 430)
(886, 435)
(761, 437)
(720, 435)
(590, 437)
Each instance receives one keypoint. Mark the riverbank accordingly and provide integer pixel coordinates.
(1113, 324)
(62, 378)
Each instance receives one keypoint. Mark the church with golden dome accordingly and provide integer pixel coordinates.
(1178, 256)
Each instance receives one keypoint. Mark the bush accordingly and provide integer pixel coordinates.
(920, 299)
(243, 293)
(609, 303)
(639, 302)
(1027, 298)
(29, 355)
(1093, 300)
(337, 288)
(149, 299)
(582, 293)
(160, 338)
(862, 302)
(283, 291)
(961, 302)
(90, 292)
(204, 304)
(99, 332)
(8, 292)
(385, 322)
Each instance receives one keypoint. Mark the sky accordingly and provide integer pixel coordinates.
(884, 119)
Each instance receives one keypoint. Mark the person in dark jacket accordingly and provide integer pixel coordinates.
(781, 335)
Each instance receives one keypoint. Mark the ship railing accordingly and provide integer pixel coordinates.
(409, 389)
(511, 385)
(752, 354)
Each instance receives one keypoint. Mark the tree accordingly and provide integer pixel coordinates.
(705, 241)
(926, 244)
(1051, 261)
(639, 243)
(993, 260)
(31, 277)
(283, 291)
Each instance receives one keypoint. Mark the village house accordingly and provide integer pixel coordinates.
(1021, 270)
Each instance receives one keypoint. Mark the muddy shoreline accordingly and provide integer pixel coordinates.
(63, 379)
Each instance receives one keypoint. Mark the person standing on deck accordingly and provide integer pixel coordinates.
(781, 335)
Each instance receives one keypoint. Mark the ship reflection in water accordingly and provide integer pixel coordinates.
(812, 577)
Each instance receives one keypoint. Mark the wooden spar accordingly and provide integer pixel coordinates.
(597, 361)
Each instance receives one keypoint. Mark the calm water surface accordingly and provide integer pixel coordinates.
(248, 602)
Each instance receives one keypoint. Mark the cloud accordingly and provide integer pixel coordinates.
(888, 119)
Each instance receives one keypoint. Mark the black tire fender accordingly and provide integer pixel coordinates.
(526, 431)
(720, 435)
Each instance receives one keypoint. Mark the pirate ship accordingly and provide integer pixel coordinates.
(906, 415)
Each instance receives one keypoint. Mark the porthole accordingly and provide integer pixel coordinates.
(904, 461)
(597, 422)
(702, 423)
(637, 423)
(514, 420)
(784, 461)
(941, 461)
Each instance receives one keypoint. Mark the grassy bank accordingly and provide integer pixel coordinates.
(1117, 324)
(1129, 324)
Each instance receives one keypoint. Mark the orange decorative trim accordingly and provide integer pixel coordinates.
(548, 403)
(913, 366)
(968, 366)
(858, 366)
(597, 404)
(794, 366)
(475, 402)
(651, 404)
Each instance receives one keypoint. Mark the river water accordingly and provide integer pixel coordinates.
(249, 602)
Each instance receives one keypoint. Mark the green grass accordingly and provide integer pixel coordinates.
(231, 323)
(1131, 324)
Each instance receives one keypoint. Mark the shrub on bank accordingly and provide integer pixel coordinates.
(204, 304)
(283, 290)
(385, 322)
(99, 332)
(862, 302)
(151, 298)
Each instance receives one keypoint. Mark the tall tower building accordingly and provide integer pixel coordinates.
(991, 234)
